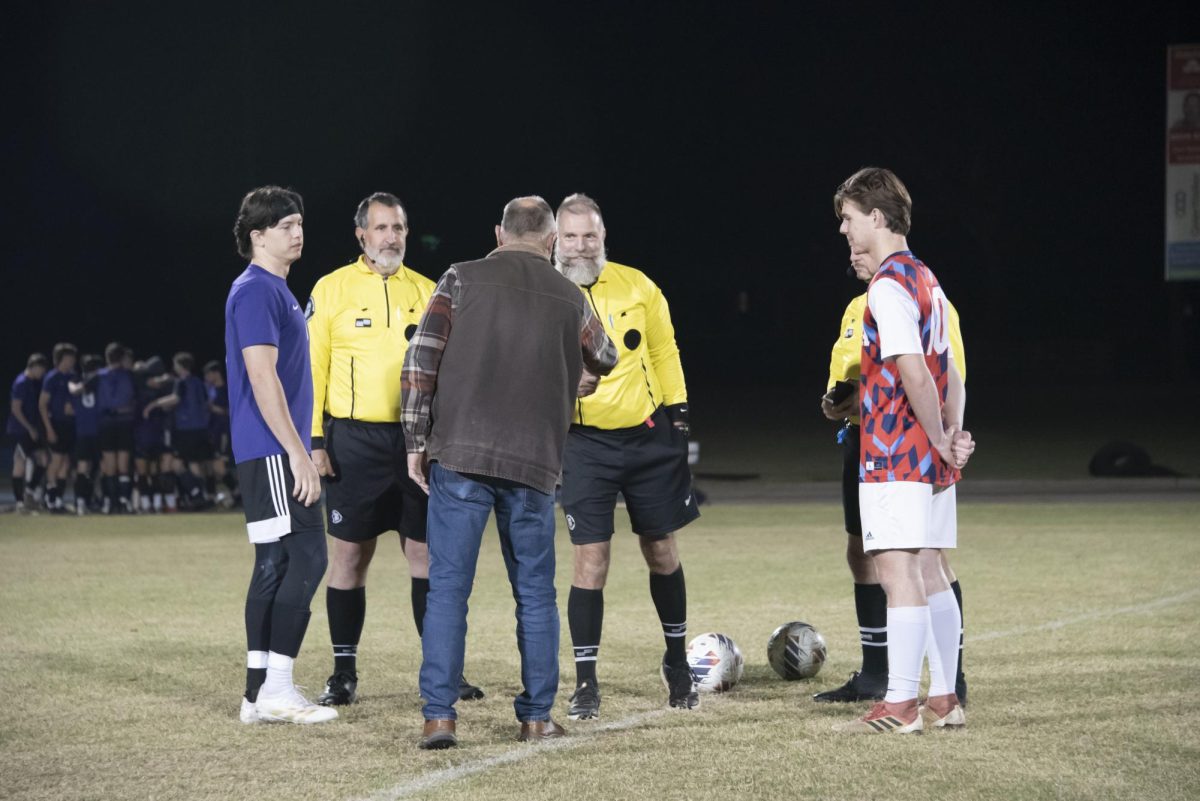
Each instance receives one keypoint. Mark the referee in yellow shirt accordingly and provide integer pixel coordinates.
(630, 436)
(841, 403)
(360, 318)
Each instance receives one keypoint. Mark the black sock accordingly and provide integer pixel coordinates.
(19, 488)
(420, 591)
(957, 590)
(110, 491)
(125, 487)
(143, 486)
(210, 485)
(347, 610)
(83, 488)
(585, 615)
(51, 493)
(254, 681)
(870, 604)
(35, 480)
(670, 599)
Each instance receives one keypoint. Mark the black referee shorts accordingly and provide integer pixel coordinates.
(271, 510)
(850, 482)
(647, 464)
(371, 492)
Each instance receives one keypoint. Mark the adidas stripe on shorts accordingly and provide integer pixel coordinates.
(271, 511)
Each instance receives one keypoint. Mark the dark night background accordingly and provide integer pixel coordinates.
(713, 135)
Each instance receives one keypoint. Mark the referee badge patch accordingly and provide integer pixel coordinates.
(335, 516)
(570, 523)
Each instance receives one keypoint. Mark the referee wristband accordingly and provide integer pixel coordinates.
(318, 443)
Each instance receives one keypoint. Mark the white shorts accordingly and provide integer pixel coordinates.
(907, 514)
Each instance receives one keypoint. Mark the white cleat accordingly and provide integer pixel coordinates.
(292, 707)
(249, 713)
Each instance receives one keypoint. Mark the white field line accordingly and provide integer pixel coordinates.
(1099, 614)
(438, 778)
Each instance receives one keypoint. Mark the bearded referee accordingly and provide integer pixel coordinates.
(629, 437)
(360, 318)
(869, 682)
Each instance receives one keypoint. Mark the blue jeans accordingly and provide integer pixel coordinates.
(459, 506)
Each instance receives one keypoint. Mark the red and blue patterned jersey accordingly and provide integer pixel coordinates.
(894, 447)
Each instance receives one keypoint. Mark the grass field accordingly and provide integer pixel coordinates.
(121, 659)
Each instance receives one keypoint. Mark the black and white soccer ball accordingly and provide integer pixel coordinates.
(716, 662)
(796, 650)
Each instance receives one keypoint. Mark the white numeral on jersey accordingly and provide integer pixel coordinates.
(939, 334)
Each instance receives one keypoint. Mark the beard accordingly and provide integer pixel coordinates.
(388, 261)
(581, 270)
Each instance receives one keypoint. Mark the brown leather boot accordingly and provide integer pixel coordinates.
(438, 734)
(536, 730)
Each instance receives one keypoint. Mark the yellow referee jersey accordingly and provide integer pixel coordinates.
(359, 323)
(648, 372)
(845, 359)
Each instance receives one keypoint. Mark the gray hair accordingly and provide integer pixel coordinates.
(528, 216)
(579, 203)
(382, 198)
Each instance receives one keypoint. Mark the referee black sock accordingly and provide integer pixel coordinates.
(420, 591)
(870, 604)
(670, 599)
(347, 610)
(957, 590)
(585, 615)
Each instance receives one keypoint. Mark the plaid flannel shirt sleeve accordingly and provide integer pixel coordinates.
(418, 379)
(599, 352)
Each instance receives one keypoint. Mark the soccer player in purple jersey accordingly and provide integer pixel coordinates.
(270, 400)
(58, 419)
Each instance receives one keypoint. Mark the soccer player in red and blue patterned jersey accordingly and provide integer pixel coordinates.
(912, 402)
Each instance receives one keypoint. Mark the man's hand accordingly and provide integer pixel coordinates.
(34, 434)
(962, 445)
(587, 384)
(307, 489)
(418, 470)
(321, 460)
(847, 408)
(146, 412)
(51, 436)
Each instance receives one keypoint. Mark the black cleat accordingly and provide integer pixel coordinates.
(681, 686)
(585, 703)
(468, 691)
(860, 687)
(960, 689)
(340, 690)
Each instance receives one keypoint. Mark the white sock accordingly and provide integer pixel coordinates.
(945, 624)
(908, 630)
(279, 675)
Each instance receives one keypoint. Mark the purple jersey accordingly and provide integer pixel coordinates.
(56, 384)
(26, 390)
(87, 409)
(117, 394)
(261, 310)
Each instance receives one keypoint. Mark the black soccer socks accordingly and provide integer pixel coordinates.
(870, 604)
(347, 610)
(670, 599)
(585, 615)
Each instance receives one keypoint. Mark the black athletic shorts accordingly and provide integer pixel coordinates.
(271, 510)
(371, 492)
(25, 442)
(116, 435)
(192, 446)
(64, 431)
(647, 464)
(87, 449)
(850, 482)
